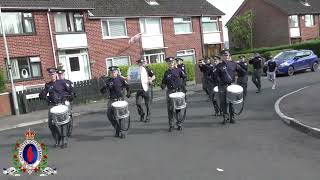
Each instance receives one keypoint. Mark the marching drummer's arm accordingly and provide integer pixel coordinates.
(43, 93)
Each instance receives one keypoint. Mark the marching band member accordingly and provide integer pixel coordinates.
(172, 80)
(243, 77)
(226, 72)
(115, 85)
(204, 68)
(58, 93)
(213, 83)
(145, 95)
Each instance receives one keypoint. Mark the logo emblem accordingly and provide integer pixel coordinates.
(29, 156)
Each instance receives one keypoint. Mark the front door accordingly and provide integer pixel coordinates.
(75, 68)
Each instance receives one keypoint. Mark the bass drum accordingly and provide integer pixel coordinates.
(138, 79)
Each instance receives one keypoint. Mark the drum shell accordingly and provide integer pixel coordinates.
(138, 79)
(234, 98)
(61, 118)
(121, 112)
(178, 102)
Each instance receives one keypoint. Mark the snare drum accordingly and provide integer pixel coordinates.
(60, 114)
(121, 109)
(234, 94)
(138, 79)
(178, 99)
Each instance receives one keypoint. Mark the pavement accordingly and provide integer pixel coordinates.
(301, 109)
(37, 117)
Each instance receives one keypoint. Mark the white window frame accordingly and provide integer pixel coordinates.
(157, 54)
(180, 20)
(112, 60)
(291, 17)
(210, 20)
(185, 53)
(311, 18)
(116, 20)
(143, 21)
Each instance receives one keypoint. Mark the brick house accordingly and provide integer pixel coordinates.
(281, 22)
(88, 36)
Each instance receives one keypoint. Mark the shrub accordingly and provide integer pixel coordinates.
(2, 82)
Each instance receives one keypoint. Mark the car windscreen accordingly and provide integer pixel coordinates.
(285, 55)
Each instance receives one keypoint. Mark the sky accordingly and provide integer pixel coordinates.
(229, 7)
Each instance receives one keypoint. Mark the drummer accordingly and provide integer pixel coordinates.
(141, 94)
(172, 79)
(115, 85)
(226, 73)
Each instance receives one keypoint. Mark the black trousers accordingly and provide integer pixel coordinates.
(223, 98)
(243, 82)
(212, 95)
(140, 96)
(256, 78)
(114, 122)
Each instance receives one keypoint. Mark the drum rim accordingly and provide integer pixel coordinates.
(182, 93)
(58, 106)
(118, 102)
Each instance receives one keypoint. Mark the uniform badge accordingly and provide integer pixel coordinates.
(245, 64)
(29, 156)
(224, 67)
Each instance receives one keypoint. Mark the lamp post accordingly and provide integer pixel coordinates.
(14, 93)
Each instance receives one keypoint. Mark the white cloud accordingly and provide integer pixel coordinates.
(229, 7)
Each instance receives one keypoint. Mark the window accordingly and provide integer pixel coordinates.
(209, 24)
(182, 25)
(187, 55)
(118, 61)
(293, 21)
(114, 28)
(308, 19)
(17, 23)
(150, 26)
(74, 64)
(154, 56)
(68, 22)
(26, 68)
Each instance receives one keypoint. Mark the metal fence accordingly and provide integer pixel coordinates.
(88, 90)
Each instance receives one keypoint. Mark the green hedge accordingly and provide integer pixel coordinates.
(2, 82)
(160, 68)
(313, 45)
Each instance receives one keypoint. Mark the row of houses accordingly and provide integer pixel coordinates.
(87, 37)
(281, 22)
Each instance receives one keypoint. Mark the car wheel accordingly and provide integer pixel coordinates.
(314, 67)
(290, 71)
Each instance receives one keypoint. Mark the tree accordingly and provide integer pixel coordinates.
(241, 30)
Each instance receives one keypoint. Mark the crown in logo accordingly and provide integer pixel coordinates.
(30, 134)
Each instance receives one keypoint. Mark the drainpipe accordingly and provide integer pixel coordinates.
(51, 38)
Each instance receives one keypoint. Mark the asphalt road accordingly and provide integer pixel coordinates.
(258, 147)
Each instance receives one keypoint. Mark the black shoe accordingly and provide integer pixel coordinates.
(56, 145)
(258, 91)
(232, 121)
(170, 128)
(122, 135)
(117, 134)
(142, 118)
(179, 128)
(147, 119)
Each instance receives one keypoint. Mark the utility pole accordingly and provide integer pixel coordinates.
(14, 93)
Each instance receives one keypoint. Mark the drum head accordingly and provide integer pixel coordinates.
(59, 109)
(119, 104)
(235, 88)
(216, 89)
(177, 95)
(144, 78)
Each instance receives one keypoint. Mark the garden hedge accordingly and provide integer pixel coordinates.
(2, 82)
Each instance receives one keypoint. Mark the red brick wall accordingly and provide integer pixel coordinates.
(270, 24)
(308, 33)
(100, 49)
(34, 45)
(181, 41)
